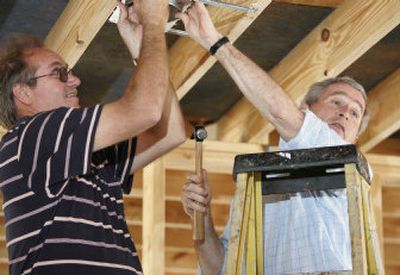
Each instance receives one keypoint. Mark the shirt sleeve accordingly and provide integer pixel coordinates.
(57, 145)
(313, 133)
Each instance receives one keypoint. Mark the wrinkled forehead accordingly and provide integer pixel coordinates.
(347, 90)
(41, 58)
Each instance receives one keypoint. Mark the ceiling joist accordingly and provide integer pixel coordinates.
(188, 61)
(346, 34)
(385, 113)
(390, 146)
(76, 27)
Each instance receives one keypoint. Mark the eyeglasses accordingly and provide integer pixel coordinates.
(62, 73)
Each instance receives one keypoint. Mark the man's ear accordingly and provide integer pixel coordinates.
(22, 93)
(304, 106)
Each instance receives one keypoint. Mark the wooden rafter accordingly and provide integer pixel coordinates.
(188, 61)
(385, 113)
(353, 28)
(77, 26)
(390, 146)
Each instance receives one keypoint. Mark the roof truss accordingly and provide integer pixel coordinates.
(353, 28)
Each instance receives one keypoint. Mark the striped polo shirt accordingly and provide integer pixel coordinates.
(62, 202)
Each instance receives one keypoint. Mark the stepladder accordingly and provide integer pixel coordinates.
(303, 212)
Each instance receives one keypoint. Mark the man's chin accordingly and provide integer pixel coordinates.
(73, 103)
(338, 131)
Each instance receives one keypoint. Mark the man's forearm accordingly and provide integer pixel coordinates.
(211, 251)
(262, 91)
(153, 58)
(141, 105)
(168, 133)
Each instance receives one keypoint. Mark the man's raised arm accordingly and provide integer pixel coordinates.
(141, 105)
(169, 132)
(256, 85)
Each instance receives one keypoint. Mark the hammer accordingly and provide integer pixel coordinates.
(199, 135)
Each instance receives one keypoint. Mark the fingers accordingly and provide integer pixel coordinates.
(183, 17)
(188, 14)
(194, 197)
(124, 13)
(195, 188)
(199, 184)
(196, 9)
(194, 179)
(205, 176)
(132, 14)
(194, 201)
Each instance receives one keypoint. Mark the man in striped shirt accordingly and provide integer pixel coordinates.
(63, 167)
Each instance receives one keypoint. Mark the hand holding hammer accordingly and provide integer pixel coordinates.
(199, 135)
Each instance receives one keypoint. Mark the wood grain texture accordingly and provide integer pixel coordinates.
(188, 61)
(390, 146)
(384, 102)
(153, 260)
(353, 28)
(356, 220)
(77, 26)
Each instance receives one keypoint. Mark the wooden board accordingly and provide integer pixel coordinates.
(77, 26)
(353, 28)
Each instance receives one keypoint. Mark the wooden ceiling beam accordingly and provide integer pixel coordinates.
(77, 26)
(317, 3)
(385, 112)
(188, 61)
(390, 146)
(345, 35)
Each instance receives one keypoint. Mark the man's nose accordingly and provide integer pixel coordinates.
(73, 80)
(344, 112)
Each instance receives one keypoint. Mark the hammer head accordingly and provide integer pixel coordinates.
(199, 133)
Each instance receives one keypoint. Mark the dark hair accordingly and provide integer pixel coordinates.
(318, 88)
(14, 70)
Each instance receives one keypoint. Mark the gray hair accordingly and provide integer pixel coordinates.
(318, 88)
(14, 70)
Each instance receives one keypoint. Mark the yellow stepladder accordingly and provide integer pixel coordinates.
(343, 167)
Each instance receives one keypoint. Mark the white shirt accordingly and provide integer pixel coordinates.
(303, 233)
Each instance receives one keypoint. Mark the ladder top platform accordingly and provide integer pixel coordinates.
(303, 159)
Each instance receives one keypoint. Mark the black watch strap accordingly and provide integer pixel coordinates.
(218, 44)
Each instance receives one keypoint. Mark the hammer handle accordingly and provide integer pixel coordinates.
(198, 217)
